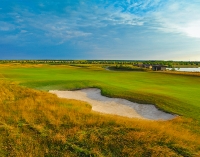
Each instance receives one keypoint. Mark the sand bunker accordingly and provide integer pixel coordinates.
(114, 106)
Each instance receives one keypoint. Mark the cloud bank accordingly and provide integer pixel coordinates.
(128, 29)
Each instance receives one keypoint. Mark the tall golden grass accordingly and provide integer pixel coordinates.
(36, 123)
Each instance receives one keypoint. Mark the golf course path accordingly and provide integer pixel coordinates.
(116, 106)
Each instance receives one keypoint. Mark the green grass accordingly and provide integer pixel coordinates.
(173, 93)
(37, 123)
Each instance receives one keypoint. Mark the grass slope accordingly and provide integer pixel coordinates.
(173, 93)
(37, 123)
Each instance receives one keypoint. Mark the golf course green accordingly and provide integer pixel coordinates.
(178, 94)
(34, 122)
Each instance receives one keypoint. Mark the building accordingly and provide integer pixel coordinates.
(148, 66)
(159, 67)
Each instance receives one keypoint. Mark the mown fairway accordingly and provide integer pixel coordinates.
(174, 93)
(37, 123)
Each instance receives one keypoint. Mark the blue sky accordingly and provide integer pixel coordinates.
(100, 29)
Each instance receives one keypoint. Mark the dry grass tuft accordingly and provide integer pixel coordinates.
(36, 123)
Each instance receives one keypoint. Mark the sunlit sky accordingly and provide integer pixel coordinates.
(100, 29)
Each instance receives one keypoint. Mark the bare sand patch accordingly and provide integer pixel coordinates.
(116, 106)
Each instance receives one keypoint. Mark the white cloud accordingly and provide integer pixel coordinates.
(60, 28)
(23, 31)
(119, 17)
(179, 17)
(169, 16)
(46, 27)
(5, 26)
(9, 38)
(192, 29)
(41, 5)
(65, 27)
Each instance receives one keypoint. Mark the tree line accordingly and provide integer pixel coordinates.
(125, 62)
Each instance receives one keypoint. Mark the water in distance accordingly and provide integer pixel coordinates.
(187, 69)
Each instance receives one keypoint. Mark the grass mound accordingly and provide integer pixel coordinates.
(127, 68)
(36, 123)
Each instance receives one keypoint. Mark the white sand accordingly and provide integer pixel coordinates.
(114, 106)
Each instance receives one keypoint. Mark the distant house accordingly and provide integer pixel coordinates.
(148, 66)
(159, 67)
